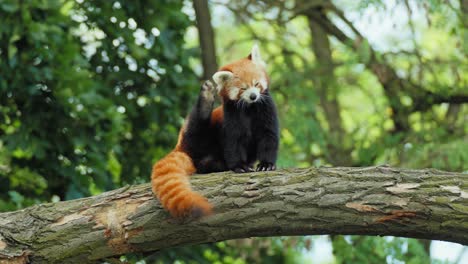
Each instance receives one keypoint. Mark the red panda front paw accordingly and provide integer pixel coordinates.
(243, 169)
(266, 166)
(206, 100)
(207, 90)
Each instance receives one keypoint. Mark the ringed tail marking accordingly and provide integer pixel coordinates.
(169, 180)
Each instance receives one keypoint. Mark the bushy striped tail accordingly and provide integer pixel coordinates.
(170, 183)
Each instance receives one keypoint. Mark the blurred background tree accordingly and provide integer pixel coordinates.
(93, 92)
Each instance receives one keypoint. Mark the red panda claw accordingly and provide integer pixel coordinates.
(207, 86)
(265, 166)
(238, 170)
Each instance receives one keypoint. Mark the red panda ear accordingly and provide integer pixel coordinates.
(221, 77)
(255, 56)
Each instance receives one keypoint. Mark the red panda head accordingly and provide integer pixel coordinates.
(245, 79)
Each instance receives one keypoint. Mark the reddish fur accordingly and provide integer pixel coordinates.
(169, 177)
(217, 115)
(246, 71)
(169, 181)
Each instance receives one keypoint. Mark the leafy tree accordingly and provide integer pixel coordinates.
(91, 93)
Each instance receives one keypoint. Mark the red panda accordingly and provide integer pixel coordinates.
(233, 136)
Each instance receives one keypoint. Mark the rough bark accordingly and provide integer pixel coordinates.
(428, 204)
(206, 37)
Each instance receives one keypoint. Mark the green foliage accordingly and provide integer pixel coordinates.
(90, 94)
(363, 249)
(242, 251)
(449, 156)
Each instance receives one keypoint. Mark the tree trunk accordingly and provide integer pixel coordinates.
(464, 7)
(428, 204)
(206, 37)
(326, 86)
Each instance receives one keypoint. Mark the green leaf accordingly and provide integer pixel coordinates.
(9, 6)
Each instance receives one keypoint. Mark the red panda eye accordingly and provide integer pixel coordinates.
(257, 84)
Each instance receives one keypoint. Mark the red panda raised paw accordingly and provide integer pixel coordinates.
(235, 135)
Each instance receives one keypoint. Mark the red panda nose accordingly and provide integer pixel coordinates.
(253, 97)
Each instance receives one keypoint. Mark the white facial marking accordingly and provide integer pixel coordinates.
(251, 95)
(256, 57)
(264, 83)
(221, 77)
(233, 93)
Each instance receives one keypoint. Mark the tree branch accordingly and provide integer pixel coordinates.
(393, 85)
(432, 99)
(428, 204)
(206, 37)
(326, 86)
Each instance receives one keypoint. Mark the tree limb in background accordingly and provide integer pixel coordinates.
(384, 73)
(394, 86)
(325, 83)
(464, 9)
(206, 37)
(428, 204)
